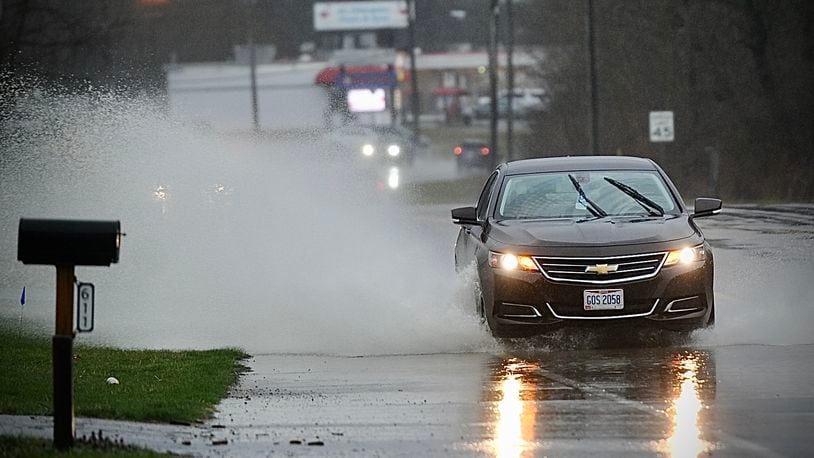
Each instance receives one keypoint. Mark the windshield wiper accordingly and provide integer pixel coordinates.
(640, 199)
(592, 207)
(588, 219)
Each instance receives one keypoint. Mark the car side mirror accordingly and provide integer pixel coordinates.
(465, 215)
(705, 206)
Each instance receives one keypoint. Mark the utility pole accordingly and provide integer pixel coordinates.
(253, 65)
(253, 71)
(510, 81)
(414, 100)
(493, 29)
(594, 145)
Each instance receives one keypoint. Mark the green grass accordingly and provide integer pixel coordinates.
(12, 446)
(155, 385)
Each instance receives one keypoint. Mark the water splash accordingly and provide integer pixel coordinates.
(268, 243)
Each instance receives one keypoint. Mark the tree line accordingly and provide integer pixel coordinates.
(736, 73)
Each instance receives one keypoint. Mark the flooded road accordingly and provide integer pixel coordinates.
(731, 401)
(743, 389)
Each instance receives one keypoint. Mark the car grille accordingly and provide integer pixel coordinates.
(602, 270)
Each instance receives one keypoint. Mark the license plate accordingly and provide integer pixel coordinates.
(603, 299)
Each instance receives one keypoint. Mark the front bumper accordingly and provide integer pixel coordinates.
(679, 297)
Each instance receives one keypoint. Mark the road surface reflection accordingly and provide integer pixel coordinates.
(685, 438)
(515, 426)
(662, 397)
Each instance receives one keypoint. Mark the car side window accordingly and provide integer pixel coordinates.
(483, 201)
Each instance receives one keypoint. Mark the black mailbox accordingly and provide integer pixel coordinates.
(68, 242)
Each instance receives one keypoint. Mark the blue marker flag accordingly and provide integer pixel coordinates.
(22, 297)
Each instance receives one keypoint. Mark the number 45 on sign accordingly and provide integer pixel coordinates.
(661, 126)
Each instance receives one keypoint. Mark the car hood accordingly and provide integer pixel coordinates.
(607, 231)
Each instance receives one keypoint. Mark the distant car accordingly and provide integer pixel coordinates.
(473, 153)
(392, 144)
(584, 241)
(524, 104)
(377, 144)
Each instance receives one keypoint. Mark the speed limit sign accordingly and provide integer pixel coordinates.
(84, 307)
(662, 128)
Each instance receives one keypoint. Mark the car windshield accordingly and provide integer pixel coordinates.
(554, 195)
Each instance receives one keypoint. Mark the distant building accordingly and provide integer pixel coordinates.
(449, 78)
(295, 95)
(218, 95)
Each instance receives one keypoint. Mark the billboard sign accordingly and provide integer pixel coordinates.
(366, 100)
(366, 15)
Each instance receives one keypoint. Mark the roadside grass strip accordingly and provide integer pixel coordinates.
(12, 447)
(153, 385)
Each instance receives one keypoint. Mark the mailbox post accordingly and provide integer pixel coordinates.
(66, 244)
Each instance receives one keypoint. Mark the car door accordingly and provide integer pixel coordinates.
(470, 236)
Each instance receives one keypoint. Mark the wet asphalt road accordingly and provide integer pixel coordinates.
(743, 389)
(731, 401)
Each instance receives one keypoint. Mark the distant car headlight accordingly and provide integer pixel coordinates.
(368, 149)
(393, 150)
(686, 255)
(508, 261)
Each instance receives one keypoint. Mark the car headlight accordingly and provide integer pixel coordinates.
(368, 149)
(686, 255)
(393, 150)
(508, 261)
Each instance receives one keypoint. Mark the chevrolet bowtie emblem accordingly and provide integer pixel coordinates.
(602, 269)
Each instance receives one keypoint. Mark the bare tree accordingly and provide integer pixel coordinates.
(737, 74)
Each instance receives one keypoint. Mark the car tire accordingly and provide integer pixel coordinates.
(711, 319)
(479, 309)
(494, 328)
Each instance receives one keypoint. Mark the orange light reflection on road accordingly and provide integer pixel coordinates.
(514, 430)
(685, 438)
